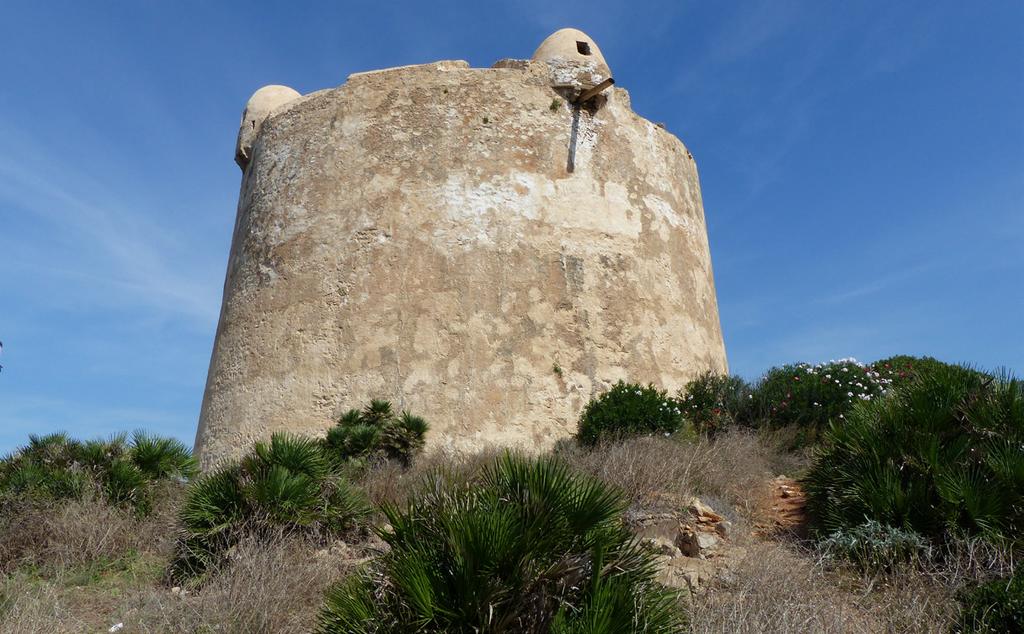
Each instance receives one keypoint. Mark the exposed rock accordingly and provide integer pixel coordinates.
(703, 513)
(694, 543)
(663, 546)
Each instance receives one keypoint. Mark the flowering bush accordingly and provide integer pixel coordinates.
(712, 402)
(903, 368)
(942, 454)
(630, 409)
(811, 396)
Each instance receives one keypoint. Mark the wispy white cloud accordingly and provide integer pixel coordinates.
(877, 285)
(121, 252)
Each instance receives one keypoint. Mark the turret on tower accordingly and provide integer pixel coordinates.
(443, 237)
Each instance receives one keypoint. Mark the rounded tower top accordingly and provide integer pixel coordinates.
(571, 45)
(269, 97)
(257, 109)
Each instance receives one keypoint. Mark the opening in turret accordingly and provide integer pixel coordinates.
(583, 48)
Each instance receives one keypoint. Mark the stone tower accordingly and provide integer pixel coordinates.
(486, 247)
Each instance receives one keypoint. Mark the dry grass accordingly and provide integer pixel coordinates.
(84, 566)
(734, 468)
(389, 482)
(33, 608)
(57, 536)
(779, 589)
(266, 587)
(783, 588)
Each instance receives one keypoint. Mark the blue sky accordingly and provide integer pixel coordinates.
(862, 166)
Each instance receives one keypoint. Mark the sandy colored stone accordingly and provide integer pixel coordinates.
(263, 102)
(576, 48)
(415, 235)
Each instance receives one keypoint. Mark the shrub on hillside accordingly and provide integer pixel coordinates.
(376, 431)
(812, 396)
(873, 547)
(629, 409)
(55, 467)
(529, 547)
(941, 454)
(712, 402)
(289, 483)
(903, 368)
(994, 607)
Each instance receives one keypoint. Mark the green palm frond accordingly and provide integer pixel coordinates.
(124, 483)
(941, 454)
(297, 454)
(377, 412)
(529, 547)
(287, 481)
(159, 457)
(215, 502)
(351, 417)
(376, 432)
(285, 497)
(352, 608)
(55, 466)
(415, 425)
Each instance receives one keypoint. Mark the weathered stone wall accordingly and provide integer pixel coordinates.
(415, 235)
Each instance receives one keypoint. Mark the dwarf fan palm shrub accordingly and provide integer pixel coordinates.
(529, 547)
(629, 409)
(376, 431)
(289, 483)
(943, 453)
(56, 466)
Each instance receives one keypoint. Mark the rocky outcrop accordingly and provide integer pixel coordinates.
(694, 544)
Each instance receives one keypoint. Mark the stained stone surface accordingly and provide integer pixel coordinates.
(416, 235)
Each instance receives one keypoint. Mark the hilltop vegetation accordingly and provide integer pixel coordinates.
(913, 471)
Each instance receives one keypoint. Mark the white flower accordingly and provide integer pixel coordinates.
(116, 627)
(850, 394)
(846, 370)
